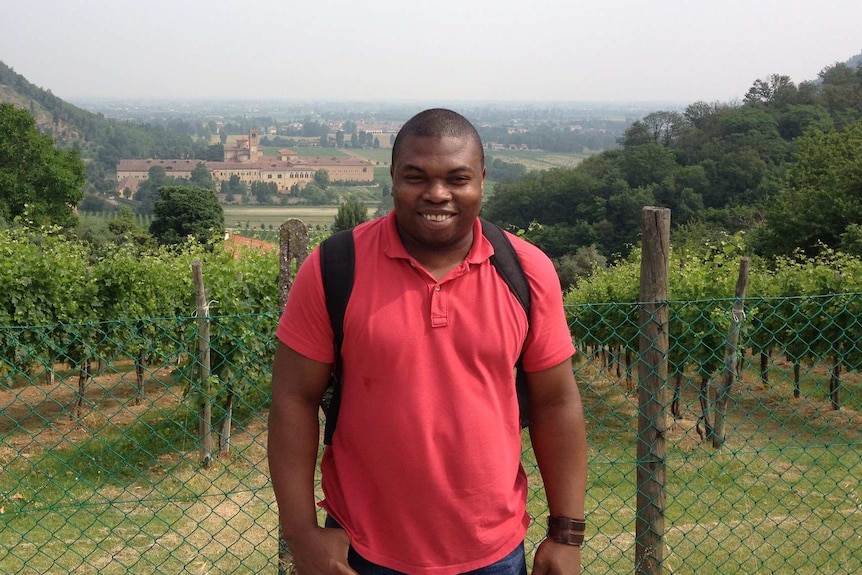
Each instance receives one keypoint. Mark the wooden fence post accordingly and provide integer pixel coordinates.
(722, 394)
(652, 379)
(205, 415)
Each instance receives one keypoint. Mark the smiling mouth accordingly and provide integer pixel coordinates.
(437, 217)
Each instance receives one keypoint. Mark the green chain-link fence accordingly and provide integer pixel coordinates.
(103, 469)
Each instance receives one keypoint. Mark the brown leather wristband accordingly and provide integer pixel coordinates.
(566, 530)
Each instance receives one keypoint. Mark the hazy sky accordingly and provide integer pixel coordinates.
(551, 50)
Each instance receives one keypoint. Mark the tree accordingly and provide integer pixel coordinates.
(264, 191)
(821, 196)
(350, 214)
(646, 164)
(777, 91)
(571, 268)
(842, 93)
(312, 194)
(37, 180)
(502, 170)
(387, 202)
(201, 177)
(187, 212)
(321, 178)
(148, 190)
(236, 186)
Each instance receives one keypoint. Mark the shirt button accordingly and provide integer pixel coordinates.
(436, 288)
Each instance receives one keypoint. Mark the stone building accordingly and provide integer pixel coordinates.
(249, 164)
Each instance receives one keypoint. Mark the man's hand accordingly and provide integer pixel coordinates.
(554, 558)
(321, 551)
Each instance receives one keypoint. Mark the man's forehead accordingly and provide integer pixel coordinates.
(422, 145)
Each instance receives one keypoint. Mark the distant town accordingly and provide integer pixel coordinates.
(247, 162)
(244, 128)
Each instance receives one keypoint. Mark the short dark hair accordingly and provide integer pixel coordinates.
(437, 123)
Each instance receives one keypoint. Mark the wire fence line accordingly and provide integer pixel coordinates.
(101, 467)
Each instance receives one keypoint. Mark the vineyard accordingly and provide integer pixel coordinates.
(106, 468)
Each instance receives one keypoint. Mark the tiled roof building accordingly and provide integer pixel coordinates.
(249, 164)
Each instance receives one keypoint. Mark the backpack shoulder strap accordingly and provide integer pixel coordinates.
(508, 265)
(337, 258)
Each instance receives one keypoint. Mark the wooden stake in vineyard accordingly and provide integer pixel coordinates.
(206, 411)
(722, 394)
(652, 377)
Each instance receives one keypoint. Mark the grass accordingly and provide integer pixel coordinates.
(136, 500)
(537, 160)
(380, 156)
(256, 216)
(781, 496)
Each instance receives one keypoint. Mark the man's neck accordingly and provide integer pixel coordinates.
(438, 261)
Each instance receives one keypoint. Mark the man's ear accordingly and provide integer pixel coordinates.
(484, 175)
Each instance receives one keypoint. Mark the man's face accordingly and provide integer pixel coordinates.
(437, 185)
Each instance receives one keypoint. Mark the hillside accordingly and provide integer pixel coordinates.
(854, 61)
(101, 141)
(52, 114)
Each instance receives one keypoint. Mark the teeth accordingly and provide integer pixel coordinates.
(436, 217)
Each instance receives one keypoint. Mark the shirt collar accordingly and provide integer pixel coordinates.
(479, 252)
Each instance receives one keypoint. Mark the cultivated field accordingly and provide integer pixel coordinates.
(245, 216)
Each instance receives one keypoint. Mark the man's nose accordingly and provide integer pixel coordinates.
(438, 191)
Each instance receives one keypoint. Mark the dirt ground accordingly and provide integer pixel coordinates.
(43, 415)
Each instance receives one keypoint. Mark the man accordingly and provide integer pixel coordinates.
(423, 475)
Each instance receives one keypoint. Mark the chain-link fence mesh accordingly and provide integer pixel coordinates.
(104, 469)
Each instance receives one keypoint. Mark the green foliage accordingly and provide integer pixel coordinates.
(242, 287)
(133, 302)
(148, 190)
(38, 182)
(45, 279)
(350, 214)
(821, 195)
(181, 213)
(321, 178)
(201, 177)
(718, 164)
(842, 93)
(315, 195)
(572, 268)
(499, 170)
(264, 192)
(387, 202)
(803, 307)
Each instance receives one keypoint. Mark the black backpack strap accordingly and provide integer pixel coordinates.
(508, 265)
(337, 259)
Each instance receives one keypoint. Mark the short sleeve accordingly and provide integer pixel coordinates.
(549, 341)
(304, 325)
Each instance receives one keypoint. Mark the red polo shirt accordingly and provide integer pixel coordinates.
(424, 470)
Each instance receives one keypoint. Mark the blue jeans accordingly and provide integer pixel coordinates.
(515, 563)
